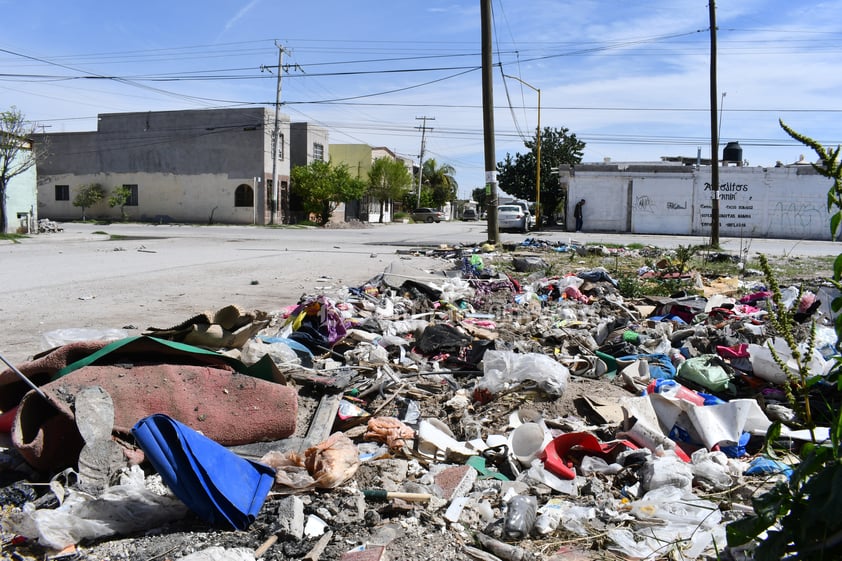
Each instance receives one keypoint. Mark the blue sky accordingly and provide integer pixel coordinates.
(631, 79)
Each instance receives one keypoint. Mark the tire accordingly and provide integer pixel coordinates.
(429, 220)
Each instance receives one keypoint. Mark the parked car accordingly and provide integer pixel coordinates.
(530, 220)
(513, 217)
(470, 214)
(427, 215)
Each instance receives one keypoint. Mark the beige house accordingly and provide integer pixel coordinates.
(202, 166)
(358, 158)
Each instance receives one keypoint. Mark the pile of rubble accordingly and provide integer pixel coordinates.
(466, 413)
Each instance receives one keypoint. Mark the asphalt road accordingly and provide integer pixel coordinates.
(140, 276)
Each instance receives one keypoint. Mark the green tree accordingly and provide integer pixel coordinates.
(120, 197)
(87, 196)
(439, 181)
(516, 174)
(322, 186)
(481, 197)
(388, 180)
(17, 153)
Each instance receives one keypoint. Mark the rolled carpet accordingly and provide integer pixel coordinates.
(226, 406)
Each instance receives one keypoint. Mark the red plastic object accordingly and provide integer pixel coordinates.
(6, 420)
(554, 453)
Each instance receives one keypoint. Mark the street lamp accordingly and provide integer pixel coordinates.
(538, 154)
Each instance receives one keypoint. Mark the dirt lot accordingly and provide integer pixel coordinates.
(135, 281)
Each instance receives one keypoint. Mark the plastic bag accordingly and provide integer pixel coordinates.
(765, 367)
(60, 337)
(121, 509)
(704, 370)
(324, 466)
(503, 369)
(712, 469)
(666, 471)
(678, 506)
(219, 553)
(280, 353)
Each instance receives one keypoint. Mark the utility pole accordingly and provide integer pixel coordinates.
(488, 123)
(714, 134)
(276, 133)
(423, 128)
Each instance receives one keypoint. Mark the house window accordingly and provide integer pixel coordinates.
(244, 195)
(62, 192)
(318, 152)
(280, 147)
(132, 196)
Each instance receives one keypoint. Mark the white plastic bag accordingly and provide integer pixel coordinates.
(280, 353)
(765, 367)
(121, 509)
(504, 369)
(61, 337)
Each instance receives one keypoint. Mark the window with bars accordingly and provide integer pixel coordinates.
(132, 201)
(244, 195)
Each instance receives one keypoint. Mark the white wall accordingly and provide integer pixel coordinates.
(785, 202)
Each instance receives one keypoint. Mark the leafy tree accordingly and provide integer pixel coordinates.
(481, 197)
(321, 186)
(17, 154)
(439, 181)
(87, 196)
(388, 179)
(120, 197)
(516, 174)
(411, 200)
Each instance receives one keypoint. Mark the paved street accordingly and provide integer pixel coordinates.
(96, 276)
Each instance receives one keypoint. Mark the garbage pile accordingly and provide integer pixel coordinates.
(466, 413)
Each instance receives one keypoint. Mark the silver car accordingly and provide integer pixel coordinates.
(512, 217)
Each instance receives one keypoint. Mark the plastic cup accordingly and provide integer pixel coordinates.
(527, 441)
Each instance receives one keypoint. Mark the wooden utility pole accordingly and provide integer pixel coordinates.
(714, 135)
(488, 123)
(423, 128)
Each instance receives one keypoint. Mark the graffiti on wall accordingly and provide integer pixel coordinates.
(643, 203)
(797, 217)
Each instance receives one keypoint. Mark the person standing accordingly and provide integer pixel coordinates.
(577, 214)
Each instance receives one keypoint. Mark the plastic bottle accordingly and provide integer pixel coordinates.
(671, 388)
(520, 516)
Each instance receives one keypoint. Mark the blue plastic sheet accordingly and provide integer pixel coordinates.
(216, 484)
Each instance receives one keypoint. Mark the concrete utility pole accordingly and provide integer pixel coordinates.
(714, 134)
(488, 123)
(423, 128)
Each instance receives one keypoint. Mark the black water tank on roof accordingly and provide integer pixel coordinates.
(732, 152)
